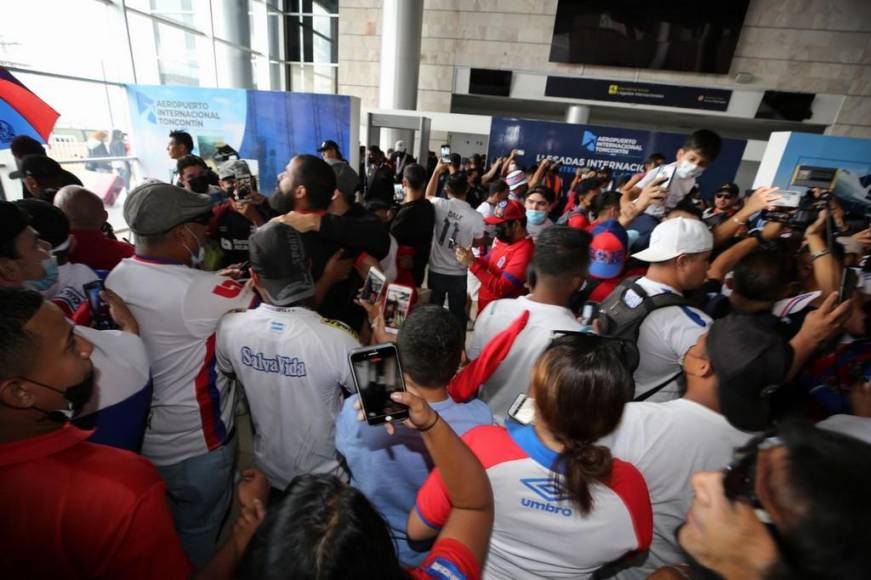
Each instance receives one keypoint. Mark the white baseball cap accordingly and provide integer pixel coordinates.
(399, 146)
(675, 237)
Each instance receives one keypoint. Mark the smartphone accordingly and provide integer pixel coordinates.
(666, 171)
(373, 286)
(589, 313)
(788, 198)
(243, 187)
(849, 281)
(521, 152)
(377, 373)
(446, 153)
(397, 304)
(522, 410)
(398, 193)
(99, 307)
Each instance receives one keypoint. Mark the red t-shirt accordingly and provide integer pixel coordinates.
(448, 560)
(503, 271)
(73, 509)
(94, 249)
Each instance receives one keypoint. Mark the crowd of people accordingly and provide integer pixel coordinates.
(604, 375)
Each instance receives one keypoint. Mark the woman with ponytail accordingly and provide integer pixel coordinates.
(563, 506)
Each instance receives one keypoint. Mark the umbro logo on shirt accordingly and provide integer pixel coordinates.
(549, 491)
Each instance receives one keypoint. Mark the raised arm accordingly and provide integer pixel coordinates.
(493, 171)
(827, 268)
(462, 476)
(540, 171)
(433, 186)
(760, 200)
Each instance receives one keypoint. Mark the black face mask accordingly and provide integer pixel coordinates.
(77, 396)
(199, 184)
(502, 233)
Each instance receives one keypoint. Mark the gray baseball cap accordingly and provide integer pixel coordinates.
(278, 256)
(233, 168)
(157, 207)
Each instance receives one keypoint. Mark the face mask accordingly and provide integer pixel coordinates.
(199, 184)
(535, 217)
(686, 170)
(77, 397)
(502, 233)
(49, 279)
(200, 257)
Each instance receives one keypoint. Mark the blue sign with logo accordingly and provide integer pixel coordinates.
(623, 150)
(266, 126)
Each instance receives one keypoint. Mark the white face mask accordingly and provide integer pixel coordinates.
(200, 257)
(686, 170)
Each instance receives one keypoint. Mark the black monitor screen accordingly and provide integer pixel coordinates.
(655, 34)
(490, 82)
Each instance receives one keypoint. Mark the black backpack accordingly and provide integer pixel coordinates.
(621, 317)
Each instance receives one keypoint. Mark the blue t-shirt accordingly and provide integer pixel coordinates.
(390, 469)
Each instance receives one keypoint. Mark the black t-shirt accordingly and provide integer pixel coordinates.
(232, 231)
(413, 226)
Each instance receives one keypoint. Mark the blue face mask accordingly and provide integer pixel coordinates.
(49, 279)
(535, 217)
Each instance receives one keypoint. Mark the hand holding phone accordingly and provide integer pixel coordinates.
(446, 154)
(522, 410)
(99, 307)
(372, 287)
(377, 375)
(665, 175)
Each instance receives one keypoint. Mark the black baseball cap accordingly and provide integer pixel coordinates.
(328, 144)
(751, 361)
(37, 166)
(729, 188)
(278, 256)
(13, 220)
(51, 223)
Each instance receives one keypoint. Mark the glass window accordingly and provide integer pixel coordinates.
(313, 39)
(80, 38)
(310, 78)
(182, 57)
(194, 14)
(235, 66)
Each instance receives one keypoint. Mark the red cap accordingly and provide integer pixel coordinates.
(506, 211)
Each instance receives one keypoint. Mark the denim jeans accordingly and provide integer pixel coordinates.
(199, 491)
(454, 287)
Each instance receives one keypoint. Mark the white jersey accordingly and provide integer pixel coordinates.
(454, 220)
(513, 374)
(292, 364)
(664, 338)
(668, 443)
(677, 190)
(178, 309)
(850, 425)
(67, 292)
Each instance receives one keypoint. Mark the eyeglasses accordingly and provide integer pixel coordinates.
(739, 477)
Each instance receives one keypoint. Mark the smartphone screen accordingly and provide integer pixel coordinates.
(377, 373)
(371, 290)
(99, 307)
(849, 280)
(522, 409)
(397, 303)
(666, 171)
(446, 154)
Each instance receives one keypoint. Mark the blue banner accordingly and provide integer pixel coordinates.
(266, 126)
(623, 150)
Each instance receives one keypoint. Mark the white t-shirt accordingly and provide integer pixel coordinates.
(67, 292)
(514, 373)
(663, 340)
(677, 190)
(121, 366)
(178, 309)
(292, 364)
(851, 425)
(668, 443)
(454, 219)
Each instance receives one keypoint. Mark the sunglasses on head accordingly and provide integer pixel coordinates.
(739, 477)
(628, 351)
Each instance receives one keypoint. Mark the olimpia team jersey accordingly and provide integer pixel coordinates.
(293, 365)
(537, 531)
(178, 309)
(454, 220)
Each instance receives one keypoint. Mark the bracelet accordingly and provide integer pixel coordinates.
(819, 254)
(431, 425)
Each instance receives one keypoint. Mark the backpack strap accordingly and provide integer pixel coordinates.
(649, 393)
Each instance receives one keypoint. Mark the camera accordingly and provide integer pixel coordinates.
(802, 216)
